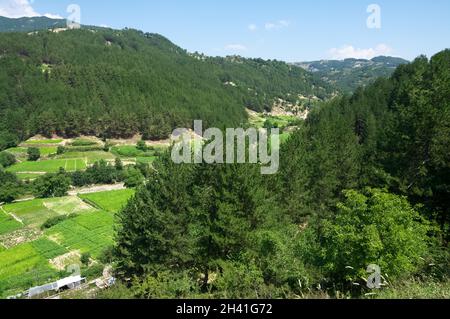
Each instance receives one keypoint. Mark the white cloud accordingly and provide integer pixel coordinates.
(236, 47)
(277, 25)
(53, 16)
(349, 51)
(21, 8)
(253, 27)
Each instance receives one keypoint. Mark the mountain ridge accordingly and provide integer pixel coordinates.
(30, 24)
(117, 83)
(349, 74)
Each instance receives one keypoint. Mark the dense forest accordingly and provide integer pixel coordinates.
(365, 180)
(113, 83)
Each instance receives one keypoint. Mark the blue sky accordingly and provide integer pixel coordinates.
(290, 30)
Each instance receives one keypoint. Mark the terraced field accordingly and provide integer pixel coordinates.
(27, 265)
(91, 232)
(131, 153)
(48, 166)
(7, 223)
(35, 212)
(91, 157)
(43, 142)
(35, 257)
(111, 201)
(22, 151)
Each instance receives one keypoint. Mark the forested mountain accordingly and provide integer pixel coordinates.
(30, 24)
(117, 83)
(349, 74)
(366, 180)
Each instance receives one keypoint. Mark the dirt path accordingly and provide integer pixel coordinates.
(12, 215)
(96, 189)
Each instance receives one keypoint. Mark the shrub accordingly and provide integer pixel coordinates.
(118, 164)
(373, 228)
(142, 146)
(107, 255)
(60, 150)
(166, 285)
(51, 185)
(95, 271)
(53, 221)
(7, 159)
(279, 255)
(8, 140)
(133, 177)
(239, 281)
(85, 258)
(34, 154)
(117, 292)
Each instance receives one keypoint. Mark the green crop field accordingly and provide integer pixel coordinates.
(7, 223)
(48, 150)
(91, 156)
(146, 160)
(49, 166)
(83, 142)
(111, 201)
(27, 265)
(42, 142)
(35, 212)
(127, 151)
(22, 151)
(91, 232)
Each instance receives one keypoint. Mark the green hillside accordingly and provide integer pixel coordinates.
(112, 83)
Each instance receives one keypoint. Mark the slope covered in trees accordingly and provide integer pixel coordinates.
(365, 181)
(349, 74)
(117, 83)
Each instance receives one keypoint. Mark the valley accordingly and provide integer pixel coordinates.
(41, 238)
(92, 199)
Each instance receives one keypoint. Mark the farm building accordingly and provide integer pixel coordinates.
(63, 284)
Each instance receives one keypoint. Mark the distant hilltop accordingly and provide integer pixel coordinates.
(349, 74)
(30, 24)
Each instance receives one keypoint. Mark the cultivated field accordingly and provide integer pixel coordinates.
(111, 201)
(35, 212)
(7, 223)
(89, 233)
(22, 151)
(43, 142)
(27, 265)
(31, 256)
(90, 157)
(49, 166)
